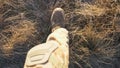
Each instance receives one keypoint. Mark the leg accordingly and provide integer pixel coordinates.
(59, 58)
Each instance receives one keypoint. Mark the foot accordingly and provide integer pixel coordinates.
(57, 18)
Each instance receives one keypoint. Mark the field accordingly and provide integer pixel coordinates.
(93, 25)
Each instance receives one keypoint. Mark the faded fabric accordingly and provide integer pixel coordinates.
(52, 54)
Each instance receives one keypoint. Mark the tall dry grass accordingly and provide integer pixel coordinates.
(16, 33)
(94, 32)
(93, 27)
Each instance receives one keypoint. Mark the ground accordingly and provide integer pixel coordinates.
(94, 29)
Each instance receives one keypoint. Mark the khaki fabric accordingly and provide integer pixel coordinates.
(52, 54)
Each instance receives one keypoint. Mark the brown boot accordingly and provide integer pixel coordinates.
(57, 18)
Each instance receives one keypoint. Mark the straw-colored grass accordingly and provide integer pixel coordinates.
(93, 26)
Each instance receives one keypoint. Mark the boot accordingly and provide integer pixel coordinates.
(57, 19)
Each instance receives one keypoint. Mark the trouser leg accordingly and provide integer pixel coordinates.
(60, 57)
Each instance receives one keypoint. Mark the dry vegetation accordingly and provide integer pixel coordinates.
(94, 27)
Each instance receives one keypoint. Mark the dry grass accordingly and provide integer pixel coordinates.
(90, 10)
(94, 28)
(90, 26)
(16, 33)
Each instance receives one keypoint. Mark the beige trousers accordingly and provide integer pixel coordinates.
(58, 58)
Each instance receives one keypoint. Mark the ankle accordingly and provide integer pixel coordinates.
(56, 27)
